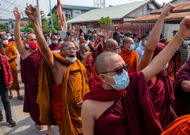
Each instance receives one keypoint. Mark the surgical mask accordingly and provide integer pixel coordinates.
(71, 59)
(186, 42)
(55, 42)
(32, 45)
(132, 47)
(121, 81)
(5, 42)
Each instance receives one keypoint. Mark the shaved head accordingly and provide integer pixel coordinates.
(111, 46)
(106, 61)
(66, 44)
(110, 43)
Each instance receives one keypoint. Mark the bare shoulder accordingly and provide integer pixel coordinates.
(89, 104)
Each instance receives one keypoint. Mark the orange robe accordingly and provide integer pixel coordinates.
(181, 126)
(10, 51)
(74, 87)
(130, 58)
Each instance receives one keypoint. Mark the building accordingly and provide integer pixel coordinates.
(118, 14)
(172, 21)
(72, 11)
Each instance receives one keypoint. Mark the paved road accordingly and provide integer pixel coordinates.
(25, 126)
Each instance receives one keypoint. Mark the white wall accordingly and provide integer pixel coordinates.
(169, 28)
(76, 13)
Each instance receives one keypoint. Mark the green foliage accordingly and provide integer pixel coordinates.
(46, 25)
(3, 27)
(56, 22)
(28, 28)
(105, 21)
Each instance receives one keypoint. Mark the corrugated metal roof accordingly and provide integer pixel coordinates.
(115, 12)
(77, 7)
(154, 17)
(179, 7)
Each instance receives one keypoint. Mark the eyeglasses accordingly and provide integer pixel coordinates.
(72, 48)
(118, 70)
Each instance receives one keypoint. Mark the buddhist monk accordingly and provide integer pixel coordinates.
(88, 61)
(129, 54)
(182, 90)
(30, 62)
(8, 49)
(54, 46)
(111, 45)
(122, 103)
(181, 126)
(63, 82)
(161, 86)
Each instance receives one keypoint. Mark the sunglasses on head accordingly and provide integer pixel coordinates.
(118, 70)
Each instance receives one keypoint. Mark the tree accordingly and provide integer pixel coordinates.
(45, 22)
(105, 21)
(3, 27)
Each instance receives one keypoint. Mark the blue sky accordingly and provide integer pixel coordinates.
(7, 5)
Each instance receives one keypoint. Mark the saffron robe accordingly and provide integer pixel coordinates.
(130, 58)
(30, 72)
(182, 101)
(131, 114)
(74, 87)
(9, 50)
(163, 97)
(181, 126)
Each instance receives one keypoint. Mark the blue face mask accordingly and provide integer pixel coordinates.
(132, 47)
(121, 81)
(71, 59)
(186, 42)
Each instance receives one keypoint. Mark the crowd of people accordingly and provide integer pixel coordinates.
(98, 83)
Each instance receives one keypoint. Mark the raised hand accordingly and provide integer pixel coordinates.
(32, 13)
(184, 29)
(168, 8)
(16, 13)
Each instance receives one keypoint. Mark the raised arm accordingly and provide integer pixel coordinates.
(159, 62)
(32, 14)
(154, 37)
(19, 44)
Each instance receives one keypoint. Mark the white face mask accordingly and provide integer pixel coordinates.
(132, 47)
(5, 42)
(71, 59)
(55, 42)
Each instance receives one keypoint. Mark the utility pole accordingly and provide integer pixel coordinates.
(39, 16)
(51, 15)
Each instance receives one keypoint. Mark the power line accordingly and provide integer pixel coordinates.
(13, 3)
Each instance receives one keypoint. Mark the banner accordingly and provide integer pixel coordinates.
(62, 16)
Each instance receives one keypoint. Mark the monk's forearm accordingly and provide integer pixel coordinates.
(40, 38)
(46, 52)
(19, 44)
(154, 36)
(153, 40)
(160, 61)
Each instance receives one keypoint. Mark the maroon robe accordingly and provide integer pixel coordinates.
(162, 93)
(30, 72)
(163, 97)
(54, 47)
(131, 114)
(182, 101)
